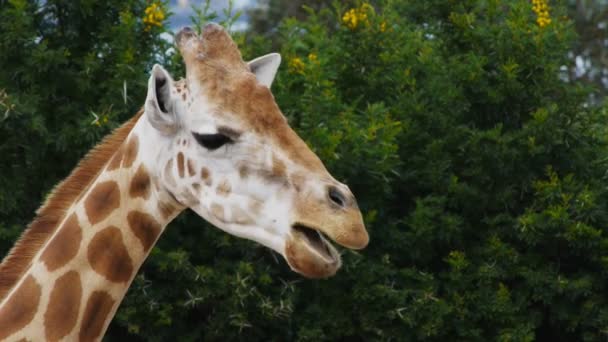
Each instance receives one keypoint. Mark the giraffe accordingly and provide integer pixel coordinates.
(215, 142)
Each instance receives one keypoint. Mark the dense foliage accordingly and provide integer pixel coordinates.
(479, 169)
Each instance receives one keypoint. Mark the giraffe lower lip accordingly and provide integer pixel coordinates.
(314, 238)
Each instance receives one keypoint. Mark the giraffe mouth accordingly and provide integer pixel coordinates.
(317, 242)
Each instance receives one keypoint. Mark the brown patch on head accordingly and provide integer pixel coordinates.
(224, 188)
(145, 228)
(180, 165)
(20, 308)
(140, 184)
(218, 211)
(96, 313)
(115, 161)
(191, 170)
(109, 257)
(279, 169)
(131, 151)
(196, 187)
(53, 211)
(101, 201)
(298, 180)
(64, 246)
(62, 311)
(206, 176)
(184, 96)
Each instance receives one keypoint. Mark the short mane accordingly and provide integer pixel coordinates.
(52, 212)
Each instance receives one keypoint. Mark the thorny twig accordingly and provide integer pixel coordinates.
(5, 103)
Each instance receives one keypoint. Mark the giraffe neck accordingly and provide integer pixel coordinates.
(78, 278)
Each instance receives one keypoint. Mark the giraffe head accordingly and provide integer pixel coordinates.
(225, 150)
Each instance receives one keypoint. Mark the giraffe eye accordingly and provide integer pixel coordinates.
(212, 141)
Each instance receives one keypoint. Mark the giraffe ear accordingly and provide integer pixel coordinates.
(265, 68)
(159, 107)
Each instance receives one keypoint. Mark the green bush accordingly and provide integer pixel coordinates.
(479, 170)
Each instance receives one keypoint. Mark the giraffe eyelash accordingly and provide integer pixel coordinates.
(212, 141)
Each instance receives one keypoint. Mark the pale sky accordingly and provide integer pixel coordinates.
(182, 9)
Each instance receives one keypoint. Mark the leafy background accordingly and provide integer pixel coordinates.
(472, 136)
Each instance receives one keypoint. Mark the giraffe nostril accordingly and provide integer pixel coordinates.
(336, 196)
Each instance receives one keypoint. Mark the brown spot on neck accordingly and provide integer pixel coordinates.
(103, 200)
(95, 316)
(180, 164)
(140, 184)
(62, 311)
(20, 308)
(145, 228)
(109, 257)
(64, 246)
(131, 152)
(53, 211)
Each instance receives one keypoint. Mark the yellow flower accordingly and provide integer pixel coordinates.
(383, 26)
(541, 8)
(154, 16)
(312, 57)
(355, 16)
(296, 66)
(350, 19)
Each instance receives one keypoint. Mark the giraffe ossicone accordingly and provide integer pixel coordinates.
(214, 142)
